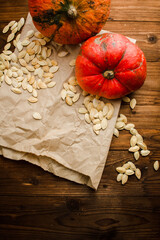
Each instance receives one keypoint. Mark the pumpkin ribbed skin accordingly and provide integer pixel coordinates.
(111, 66)
(69, 21)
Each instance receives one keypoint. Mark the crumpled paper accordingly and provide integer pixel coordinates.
(62, 142)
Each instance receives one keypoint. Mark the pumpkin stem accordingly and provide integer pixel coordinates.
(109, 74)
(72, 11)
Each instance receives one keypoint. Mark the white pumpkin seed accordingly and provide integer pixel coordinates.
(18, 37)
(30, 68)
(37, 116)
(11, 23)
(34, 93)
(129, 126)
(51, 84)
(133, 131)
(96, 121)
(63, 54)
(70, 93)
(7, 46)
(133, 141)
(145, 153)
(53, 69)
(16, 90)
(132, 166)
(126, 99)
(133, 149)
(105, 110)
(156, 165)
(19, 46)
(63, 94)
(25, 42)
(133, 103)
(32, 99)
(87, 118)
(76, 97)
(22, 62)
(8, 80)
(138, 173)
(72, 63)
(15, 30)
(126, 166)
(82, 110)
(104, 123)
(136, 155)
(43, 43)
(129, 172)
(123, 117)
(49, 52)
(121, 169)
(111, 111)
(30, 33)
(142, 145)
(97, 126)
(21, 23)
(96, 131)
(116, 132)
(139, 138)
(38, 35)
(119, 177)
(5, 29)
(124, 179)
(7, 52)
(14, 26)
(29, 88)
(24, 84)
(22, 54)
(120, 125)
(69, 101)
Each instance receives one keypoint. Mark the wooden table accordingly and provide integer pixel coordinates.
(34, 204)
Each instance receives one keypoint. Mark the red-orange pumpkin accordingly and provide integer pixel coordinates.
(110, 65)
(69, 21)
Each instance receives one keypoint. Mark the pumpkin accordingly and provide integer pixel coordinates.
(110, 65)
(69, 21)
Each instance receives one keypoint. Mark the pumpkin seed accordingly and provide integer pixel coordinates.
(76, 97)
(14, 26)
(100, 115)
(25, 42)
(66, 86)
(105, 110)
(126, 166)
(24, 84)
(53, 69)
(145, 153)
(9, 73)
(11, 23)
(7, 46)
(87, 118)
(116, 132)
(139, 138)
(133, 149)
(82, 110)
(84, 93)
(42, 85)
(96, 121)
(126, 99)
(7, 52)
(49, 52)
(5, 29)
(18, 37)
(72, 88)
(69, 101)
(63, 54)
(30, 68)
(30, 33)
(132, 166)
(156, 165)
(52, 62)
(72, 63)
(119, 177)
(32, 99)
(38, 35)
(8, 80)
(42, 42)
(133, 103)
(111, 111)
(124, 179)
(22, 62)
(72, 81)
(142, 145)
(133, 141)
(97, 126)
(129, 172)
(120, 125)
(16, 90)
(129, 126)
(136, 155)
(104, 123)
(22, 54)
(133, 131)
(34, 93)
(123, 117)
(63, 94)
(51, 84)
(121, 169)
(138, 173)
(37, 116)
(21, 23)
(96, 131)
(19, 46)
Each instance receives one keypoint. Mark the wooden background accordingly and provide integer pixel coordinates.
(35, 204)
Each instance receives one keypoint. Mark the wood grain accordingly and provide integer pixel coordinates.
(35, 204)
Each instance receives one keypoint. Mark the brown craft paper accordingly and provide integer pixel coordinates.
(62, 142)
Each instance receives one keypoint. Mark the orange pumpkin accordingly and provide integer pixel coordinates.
(69, 21)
